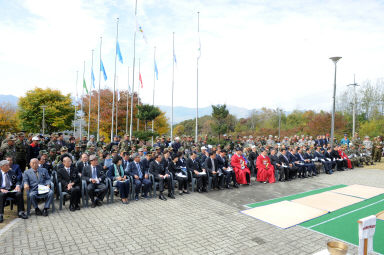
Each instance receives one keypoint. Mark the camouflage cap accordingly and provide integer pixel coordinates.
(52, 150)
(43, 152)
(11, 138)
(20, 134)
(64, 148)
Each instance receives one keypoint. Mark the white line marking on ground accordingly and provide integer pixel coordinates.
(346, 213)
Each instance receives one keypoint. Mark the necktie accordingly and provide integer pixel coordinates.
(213, 165)
(139, 170)
(37, 174)
(68, 170)
(7, 183)
(94, 173)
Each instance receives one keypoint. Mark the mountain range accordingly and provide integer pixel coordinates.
(9, 99)
(180, 113)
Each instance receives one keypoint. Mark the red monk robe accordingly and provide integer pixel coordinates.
(240, 167)
(344, 156)
(265, 170)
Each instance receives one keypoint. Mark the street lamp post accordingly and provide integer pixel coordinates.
(354, 84)
(279, 112)
(335, 60)
(43, 124)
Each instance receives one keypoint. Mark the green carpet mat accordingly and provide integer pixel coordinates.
(295, 196)
(345, 227)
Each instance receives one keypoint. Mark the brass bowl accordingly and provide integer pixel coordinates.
(337, 248)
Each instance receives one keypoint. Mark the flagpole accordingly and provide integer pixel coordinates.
(117, 101)
(98, 96)
(154, 82)
(74, 120)
(114, 79)
(197, 83)
(90, 97)
(126, 118)
(138, 99)
(173, 80)
(133, 77)
(82, 103)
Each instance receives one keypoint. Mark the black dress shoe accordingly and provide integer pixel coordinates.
(72, 208)
(236, 186)
(99, 203)
(220, 188)
(162, 197)
(45, 212)
(1, 219)
(186, 192)
(199, 190)
(205, 190)
(170, 195)
(38, 212)
(77, 207)
(93, 205)
(137, 197)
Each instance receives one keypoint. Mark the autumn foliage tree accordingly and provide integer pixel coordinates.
(106, 98)
(8, 119)
(59, 112)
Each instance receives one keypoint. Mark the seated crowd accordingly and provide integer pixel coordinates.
(37, 165)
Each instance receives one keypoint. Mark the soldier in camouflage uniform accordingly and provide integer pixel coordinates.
(53, 142)
(357, 154)
(378, 145)
(76, 153)
(354, 160)
(91, 150)
(8, 148)
(366, 154)
(125, 144)
(21, 148)
(83, 143)
(101, 142)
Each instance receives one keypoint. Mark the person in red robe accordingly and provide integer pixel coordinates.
(265, 170)
(239, 165)
(345, 157)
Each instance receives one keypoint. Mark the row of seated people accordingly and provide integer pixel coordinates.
(165, 169)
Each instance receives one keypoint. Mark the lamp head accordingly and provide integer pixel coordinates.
(335, 59)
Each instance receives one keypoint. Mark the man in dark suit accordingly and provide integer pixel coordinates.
(140, 176)
(341, 164)
(288, 167)
(70, 181)
(222, 161)
(212, 167)
(8, 183)
(145, 162)
(126, 161)
(292, 159)
(329, 158)
(200, 174)
(83, 163)
(321, 158)
(95, 176)
(161, 175)
(275, 161)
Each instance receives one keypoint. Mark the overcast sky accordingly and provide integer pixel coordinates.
(253, 53)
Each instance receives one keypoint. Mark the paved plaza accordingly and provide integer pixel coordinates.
(191, 224)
